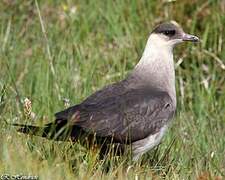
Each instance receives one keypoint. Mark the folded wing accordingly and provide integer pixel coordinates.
(127, 116)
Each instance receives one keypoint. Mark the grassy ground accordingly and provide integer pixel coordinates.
(52, 50)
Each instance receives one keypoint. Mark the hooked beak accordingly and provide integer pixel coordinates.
(189, 37)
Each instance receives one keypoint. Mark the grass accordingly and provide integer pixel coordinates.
(56, 50)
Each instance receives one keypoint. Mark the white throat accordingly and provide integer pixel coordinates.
(156, 65)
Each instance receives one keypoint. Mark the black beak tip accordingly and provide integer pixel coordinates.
(191, 38)
(195, 39)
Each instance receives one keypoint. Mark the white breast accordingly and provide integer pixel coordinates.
(142, 146)
(156, 66)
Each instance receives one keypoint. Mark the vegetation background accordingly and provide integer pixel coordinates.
(56, 53)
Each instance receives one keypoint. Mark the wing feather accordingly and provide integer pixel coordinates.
(130, 115)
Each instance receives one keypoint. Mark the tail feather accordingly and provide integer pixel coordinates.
(59, 130)
(29, 129)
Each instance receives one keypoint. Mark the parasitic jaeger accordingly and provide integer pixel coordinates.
(135, 111)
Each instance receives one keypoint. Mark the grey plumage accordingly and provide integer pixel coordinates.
(134, 111)
(126, 114)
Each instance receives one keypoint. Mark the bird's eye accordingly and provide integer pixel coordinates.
(169, 32)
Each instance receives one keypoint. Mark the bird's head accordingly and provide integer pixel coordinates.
(170, 34)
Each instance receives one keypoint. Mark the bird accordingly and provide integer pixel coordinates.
(135, 111)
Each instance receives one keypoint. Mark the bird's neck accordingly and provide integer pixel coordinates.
(156, 67)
